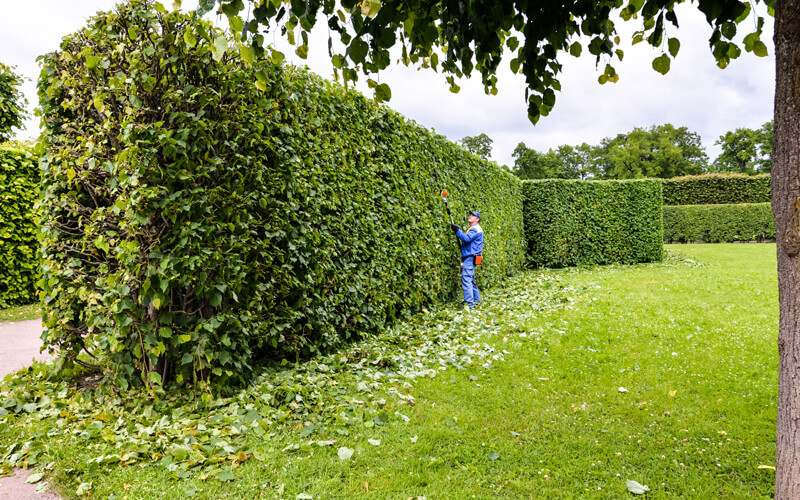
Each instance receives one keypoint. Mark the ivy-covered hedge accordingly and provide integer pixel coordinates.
(196, 221)
(717, 189)
(718, 223)
(19, 245)
(578, 223)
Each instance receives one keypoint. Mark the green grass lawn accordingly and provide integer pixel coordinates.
(20, 313)
(564, 384)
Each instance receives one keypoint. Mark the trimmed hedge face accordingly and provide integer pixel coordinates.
(718, 223)
(579, 223)
(717, 189)
(195, 222)
(19, 245)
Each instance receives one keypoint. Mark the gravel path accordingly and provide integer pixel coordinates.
(19, 346)
(20, 343)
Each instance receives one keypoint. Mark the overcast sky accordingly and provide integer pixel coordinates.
(695, 93)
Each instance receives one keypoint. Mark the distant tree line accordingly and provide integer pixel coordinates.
(661, 151)
(12, 102)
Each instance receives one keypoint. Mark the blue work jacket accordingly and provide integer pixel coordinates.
(471, 241)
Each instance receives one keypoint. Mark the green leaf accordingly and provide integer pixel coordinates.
(512, 43)
(154, 377)
(746, 12)
(575, 49)
(226, 476)
(493, 455)
(248, 54)
(636, 488)
(661, 64)
(235, 23)
(750, 41)
(34, 478)
(179, 452)
(216, 299)
(83, 488)
(760, 49)
(276, 56)
(165, 332)
(383, 93)
(674, 46)
(205, 6)
(358, 50)
(189, 38)
(219, 47)
(101, 243)
(728, 30)
(370, 8)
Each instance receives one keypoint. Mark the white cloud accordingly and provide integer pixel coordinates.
(695, 93)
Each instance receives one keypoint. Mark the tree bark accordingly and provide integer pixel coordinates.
(786, 209)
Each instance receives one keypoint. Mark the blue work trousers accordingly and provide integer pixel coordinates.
(471, 294)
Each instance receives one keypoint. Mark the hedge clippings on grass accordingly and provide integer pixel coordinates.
(19, 245)
(202, 213)
(578, 223)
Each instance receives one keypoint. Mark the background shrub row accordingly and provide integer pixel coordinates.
(577, 223)
(197, 222)
(19, 257)
(718, 223)
(714, 189)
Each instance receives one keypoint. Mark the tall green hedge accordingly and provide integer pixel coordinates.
(19, 246)
(576, 223)
(718, 223)
(196, 221)
(713, 189)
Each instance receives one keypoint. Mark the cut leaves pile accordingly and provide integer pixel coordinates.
(364, 385)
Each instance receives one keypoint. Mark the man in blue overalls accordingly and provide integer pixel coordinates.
(471, 249)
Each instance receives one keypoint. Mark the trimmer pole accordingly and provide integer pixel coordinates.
(447, 206)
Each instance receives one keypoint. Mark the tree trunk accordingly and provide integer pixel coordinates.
(786, 208)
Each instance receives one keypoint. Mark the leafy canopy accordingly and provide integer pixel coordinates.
(745, 151)
(663, 151)
(457, 38)
(12, 102)
(564, 162)
(659, 151)
(480, 145)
